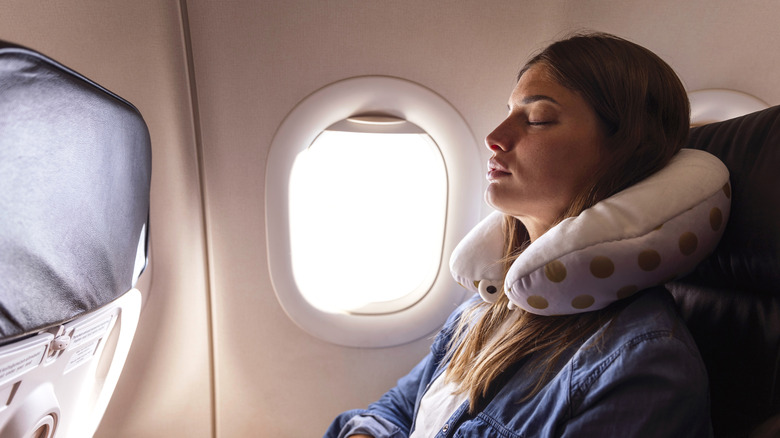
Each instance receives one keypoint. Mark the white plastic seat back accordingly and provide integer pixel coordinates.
(63, 383)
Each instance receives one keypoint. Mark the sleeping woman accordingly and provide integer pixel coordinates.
(597, 206)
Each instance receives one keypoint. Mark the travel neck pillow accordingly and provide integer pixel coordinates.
(648, 234)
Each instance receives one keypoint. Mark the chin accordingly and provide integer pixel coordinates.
(494, 200)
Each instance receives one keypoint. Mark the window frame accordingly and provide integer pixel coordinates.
(314, 114)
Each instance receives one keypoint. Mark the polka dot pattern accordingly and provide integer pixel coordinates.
(688, 243)
(668, 279)
(649, 259)
(627, 291)
(601, 267)
(537, 302)
(580, 266)
(716, 218)
(667, 245)
(555, 271)
(582, 301)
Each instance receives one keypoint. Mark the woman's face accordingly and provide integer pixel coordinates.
(544, 152)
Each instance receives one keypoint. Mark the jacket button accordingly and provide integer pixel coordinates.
(445, 428)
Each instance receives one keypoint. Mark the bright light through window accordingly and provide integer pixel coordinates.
(367, 216)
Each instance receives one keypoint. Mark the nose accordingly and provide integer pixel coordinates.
(498, 140)
(493, 147)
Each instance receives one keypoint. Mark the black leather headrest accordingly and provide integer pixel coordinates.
(749, 254)
(732, 301)
(75, 168)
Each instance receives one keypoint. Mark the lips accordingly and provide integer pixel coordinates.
(496, 170)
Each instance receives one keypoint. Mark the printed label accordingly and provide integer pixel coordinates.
(15, 364)
(82, 334)
(82, 355)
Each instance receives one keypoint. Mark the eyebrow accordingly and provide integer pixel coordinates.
(537, 98)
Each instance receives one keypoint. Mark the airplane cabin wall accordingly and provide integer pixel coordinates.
(252, 62)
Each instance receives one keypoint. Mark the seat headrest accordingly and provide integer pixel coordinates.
(75, 172)
(748, 256)
(731, 302)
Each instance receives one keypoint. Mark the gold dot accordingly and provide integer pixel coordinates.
(727, 190)
(669, 279)
(649, 259)
(601, 267)
(476, 284)
(582, 301)
(555, 271)
(627, 291)
(716, 218)
(537, 302)
(688, 243)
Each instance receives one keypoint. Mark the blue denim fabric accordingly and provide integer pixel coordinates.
(640, 376)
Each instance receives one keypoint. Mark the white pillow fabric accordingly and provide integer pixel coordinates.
(645, 235)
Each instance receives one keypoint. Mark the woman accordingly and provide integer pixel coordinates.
(558, 354)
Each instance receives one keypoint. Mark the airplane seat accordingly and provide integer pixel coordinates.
(75, 168)
(731, 302)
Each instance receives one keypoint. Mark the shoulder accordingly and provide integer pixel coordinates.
(641, 374)
(651, 315)
(647, 340)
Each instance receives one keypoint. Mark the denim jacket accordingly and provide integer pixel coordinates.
(639, 376)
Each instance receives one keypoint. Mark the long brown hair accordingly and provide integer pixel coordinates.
(645, 112)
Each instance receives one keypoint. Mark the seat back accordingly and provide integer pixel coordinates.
(75, 171)
(732, 301)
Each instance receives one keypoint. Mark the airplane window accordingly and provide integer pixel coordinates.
(362, 239)
(370, 184)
